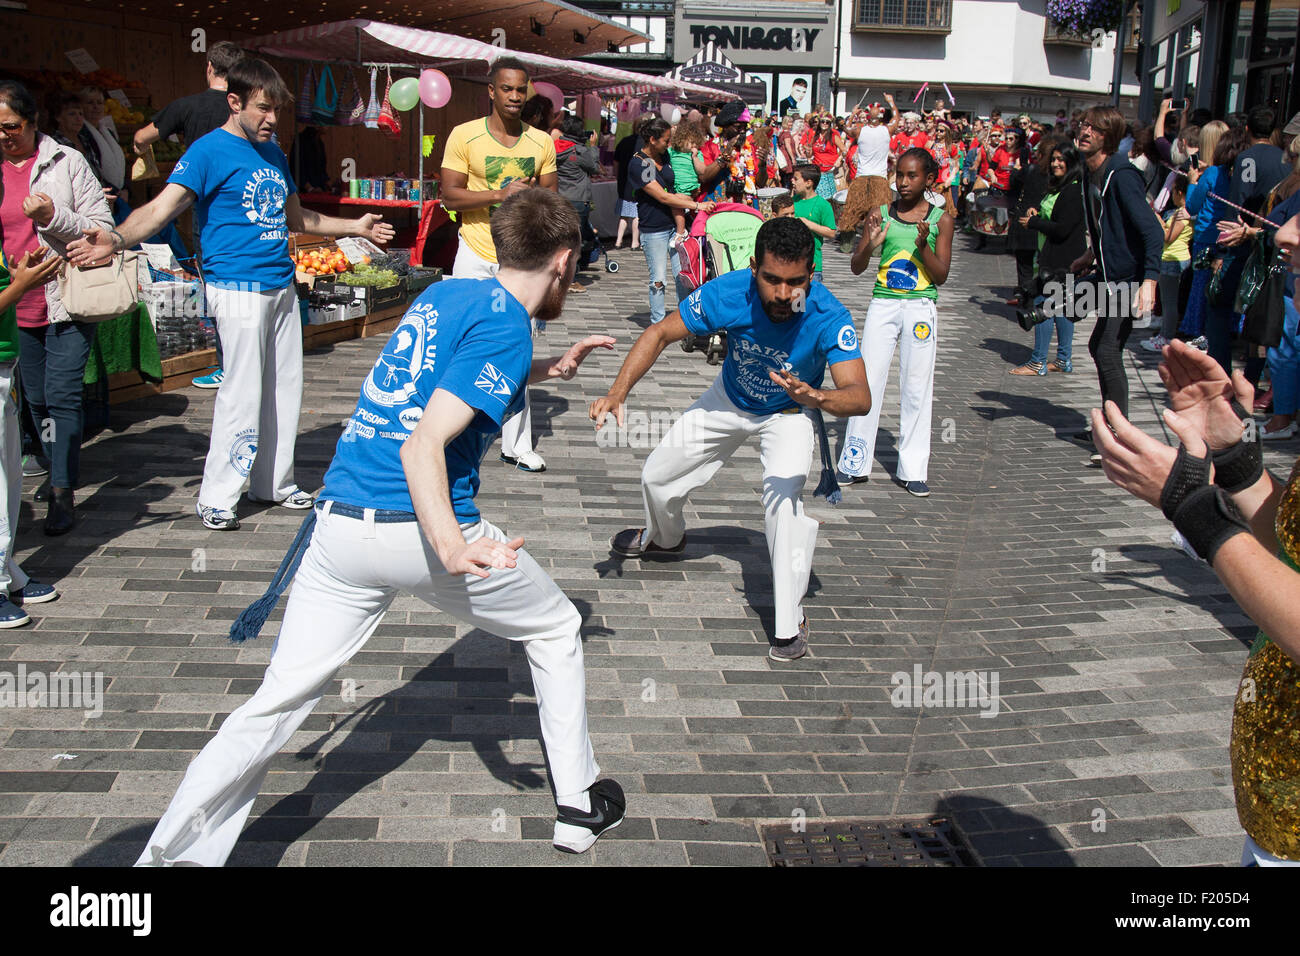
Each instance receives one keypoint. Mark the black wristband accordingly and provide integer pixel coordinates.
(1188, 475)
(1239, 466)
(1207, 518)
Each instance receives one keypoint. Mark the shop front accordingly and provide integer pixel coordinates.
(1224, 56)
(789, 47)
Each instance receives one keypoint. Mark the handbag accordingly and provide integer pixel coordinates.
(352, 108)
(370, 119)
(389, 124)
(327, 98)
(100, 293)
(1266, 312)
(1253, 275)
(302, 111)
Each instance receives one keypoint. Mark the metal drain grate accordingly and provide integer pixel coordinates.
(867, 843)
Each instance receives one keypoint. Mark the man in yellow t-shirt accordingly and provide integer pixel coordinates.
(484, 161)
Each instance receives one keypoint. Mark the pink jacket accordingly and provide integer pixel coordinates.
(79, 203)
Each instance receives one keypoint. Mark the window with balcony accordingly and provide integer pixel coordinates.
(903, 16)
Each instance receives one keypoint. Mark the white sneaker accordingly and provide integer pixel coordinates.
(528, 461)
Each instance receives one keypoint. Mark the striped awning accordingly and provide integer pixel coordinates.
(710, 67)
(371, 42)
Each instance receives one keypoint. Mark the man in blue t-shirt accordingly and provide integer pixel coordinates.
(782, 331)
(245, 205)
(398, 515)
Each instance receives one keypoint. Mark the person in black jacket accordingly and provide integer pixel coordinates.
(1028, 187)
(1125, 256)
(1059, 222)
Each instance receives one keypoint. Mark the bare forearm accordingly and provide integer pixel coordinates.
(425, 465)
(460, 199)
(935, 267)
(846, 402)
(1258, 505)
(146, 221)
(318, 225)
(1265, 588)
(647, 349)
(818, 229)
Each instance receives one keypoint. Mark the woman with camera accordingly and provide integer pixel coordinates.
(1062, 238)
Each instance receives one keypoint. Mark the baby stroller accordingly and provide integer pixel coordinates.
(720, 242)
(593, 250)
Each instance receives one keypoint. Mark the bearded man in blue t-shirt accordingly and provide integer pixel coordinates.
(245, 205)
(782, 331)
(397, 514)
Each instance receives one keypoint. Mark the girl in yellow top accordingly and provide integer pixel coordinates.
(915, 243)
(1175, 259)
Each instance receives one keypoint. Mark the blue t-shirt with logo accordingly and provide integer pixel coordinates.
(822, 334)
(469, 337)
(241, 188)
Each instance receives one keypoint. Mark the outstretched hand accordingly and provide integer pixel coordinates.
(607, 406)
(567, 366)
(1133, 459)
(94, 249)
(798, 389)
(1202, 394)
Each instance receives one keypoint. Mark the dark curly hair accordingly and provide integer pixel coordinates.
(787, 239)
(928, 162)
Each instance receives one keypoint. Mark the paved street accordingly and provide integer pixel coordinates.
(1116, 655)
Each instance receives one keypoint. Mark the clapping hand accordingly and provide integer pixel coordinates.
(1202, 394)
(922, 234)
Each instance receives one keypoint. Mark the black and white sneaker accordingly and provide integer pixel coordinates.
(576, 831)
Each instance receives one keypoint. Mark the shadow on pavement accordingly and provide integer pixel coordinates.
(1003, 836)
(482, 713)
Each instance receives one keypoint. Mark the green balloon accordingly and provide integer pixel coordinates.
(405, 93)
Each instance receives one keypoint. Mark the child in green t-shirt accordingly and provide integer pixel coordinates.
(684, 157)
(30, 272)
(813, 209)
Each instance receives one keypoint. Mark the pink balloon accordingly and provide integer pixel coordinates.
(435, 89)
(551, 92)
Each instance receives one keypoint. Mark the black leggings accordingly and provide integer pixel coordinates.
(1025, 274)
(1106, 346)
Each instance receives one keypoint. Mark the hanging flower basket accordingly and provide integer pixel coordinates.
(1083, 17)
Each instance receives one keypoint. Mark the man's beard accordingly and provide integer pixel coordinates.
(553, 305)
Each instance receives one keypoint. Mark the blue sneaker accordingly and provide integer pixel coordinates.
(11, 615)
(34, 592)
(917, 489)
(210, 381)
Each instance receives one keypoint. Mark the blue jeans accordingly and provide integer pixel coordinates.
(657, 259)
(53, 365)
(1220, 320)
(1284, 363)
(1064, 340)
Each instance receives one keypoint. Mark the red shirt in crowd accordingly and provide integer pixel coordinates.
(1000, 165)
(904, 141)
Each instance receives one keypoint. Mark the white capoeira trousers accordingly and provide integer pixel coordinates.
(255, 417)
(12, 577)
(517, 432)
(350, 574)
(688, 457)
(910, 325)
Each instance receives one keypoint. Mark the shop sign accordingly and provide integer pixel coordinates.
(792, 39)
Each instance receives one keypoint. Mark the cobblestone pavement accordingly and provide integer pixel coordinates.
(1116, 655)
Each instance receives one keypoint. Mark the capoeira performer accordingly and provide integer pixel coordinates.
(245, 205)
(397, 514)
(782, 331)
(915, 242)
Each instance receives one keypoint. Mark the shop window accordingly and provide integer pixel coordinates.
(903, 16)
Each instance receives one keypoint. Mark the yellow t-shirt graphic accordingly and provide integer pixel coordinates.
(487, 164)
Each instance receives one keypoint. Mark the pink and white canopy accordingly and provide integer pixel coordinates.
(371, 42)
